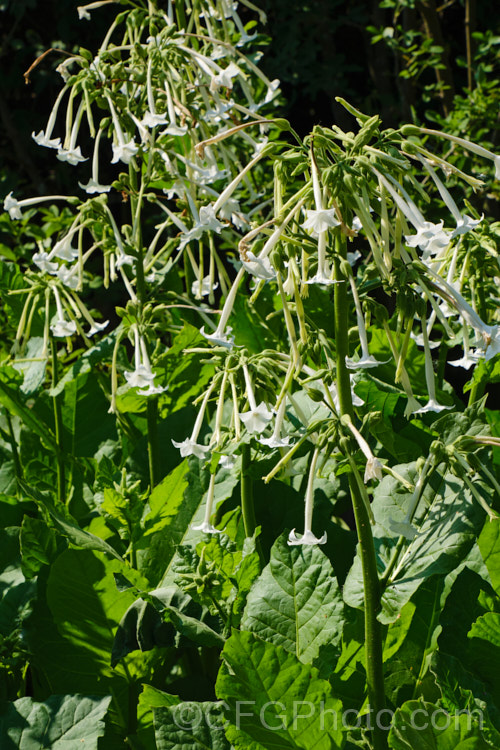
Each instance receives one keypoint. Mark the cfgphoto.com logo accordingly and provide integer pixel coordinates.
(275, 716)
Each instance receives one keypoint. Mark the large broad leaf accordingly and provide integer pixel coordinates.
(402, 439)
(39, 545)
(149, 699)
(67, 525)
(70, 634)
(11, 399)
(275, 701)
(296, 602)
(411, 639)
(164, 617)
(176, 504)
(447, 520)
(16, 592)
(85, 415)
(186, 376)
(87, 607)
(85, 363)
(427, 726)
(489, 544)
(461, 691)
(190, 726)
(484, 652)
(63, 722)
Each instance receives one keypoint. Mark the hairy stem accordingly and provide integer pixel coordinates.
(371, 584)
(152, 404)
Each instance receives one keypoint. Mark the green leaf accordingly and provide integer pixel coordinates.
(192, 628)
(185, 375)
(9, 397)
(174, 506)
(427, 726)
(411, 639)
(38, 545)
(16, 593)
(274, 699)
(67, 525)
(447, 520)
(461, 691)
(86, 605)
(62, 722)
(296, 602)
(190, 726)
(489, 544)
(484, 653)
(143, 627)
(149, 699)
(85, 363)
(70, 634)
(250, 328)
(34, 370)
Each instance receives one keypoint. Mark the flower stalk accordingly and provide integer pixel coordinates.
(371, 584)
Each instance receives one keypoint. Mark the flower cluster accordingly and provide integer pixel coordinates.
(181, 134)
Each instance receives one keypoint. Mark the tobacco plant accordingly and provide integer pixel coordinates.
(243, 506)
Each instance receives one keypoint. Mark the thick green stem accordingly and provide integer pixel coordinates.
(58, 429)
(153, 446)
(371, 584)
(152, 406)
(476, 392)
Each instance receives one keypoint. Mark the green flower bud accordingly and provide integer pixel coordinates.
(315, 394)
(408, 130)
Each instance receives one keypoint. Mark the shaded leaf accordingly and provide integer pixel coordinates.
(447, 520)
(190, 726)
(67, 525)
(62, 722)
(427, 726)
(274, 700)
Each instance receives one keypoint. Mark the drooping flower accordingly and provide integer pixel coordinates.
(123, 150)
(62, 327)
(142, 376)
(205, 526)
(190, 446)
(44, 138)
(277, 440)
(71, 155)
(260, 268)
(42, 260)
(258, 416)
(93, 185)
(489, 335)
(430, 238)
(204, 221)
(308, 536)
(320, 220)
(222, 335)
(366, 360)
(432, 404)
(464, 223)
(204, 287)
